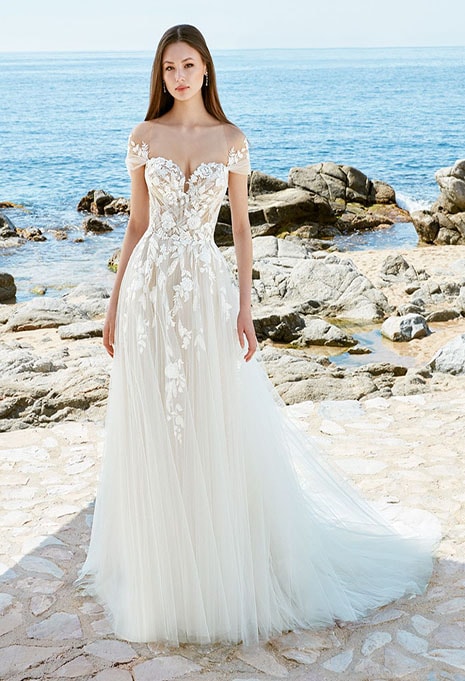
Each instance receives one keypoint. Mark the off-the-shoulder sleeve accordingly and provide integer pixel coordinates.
(239, 159)
(137, 153)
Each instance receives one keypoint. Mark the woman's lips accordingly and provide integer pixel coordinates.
(180, 88)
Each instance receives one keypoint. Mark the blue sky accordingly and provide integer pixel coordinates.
(138, 24)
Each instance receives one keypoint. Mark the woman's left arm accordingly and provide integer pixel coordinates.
(242, 236)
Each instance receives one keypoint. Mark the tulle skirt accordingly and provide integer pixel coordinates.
(216, 518)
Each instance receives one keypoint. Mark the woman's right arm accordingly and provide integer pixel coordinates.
(137, 224)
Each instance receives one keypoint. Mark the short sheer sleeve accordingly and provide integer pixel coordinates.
(239, 159)
(137, 153)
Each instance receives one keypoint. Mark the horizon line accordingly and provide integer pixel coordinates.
(236, 49)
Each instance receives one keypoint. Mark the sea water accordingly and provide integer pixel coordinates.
(396, 114)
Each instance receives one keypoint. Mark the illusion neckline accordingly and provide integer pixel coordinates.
(187, 180)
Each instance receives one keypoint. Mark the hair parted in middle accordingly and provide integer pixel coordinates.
(160, 100)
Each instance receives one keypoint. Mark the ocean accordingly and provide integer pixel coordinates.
(396, 114)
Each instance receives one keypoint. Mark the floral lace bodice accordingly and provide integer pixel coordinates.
(183, 207)
(176, 266)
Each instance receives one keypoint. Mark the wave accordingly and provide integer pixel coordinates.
(410, 204)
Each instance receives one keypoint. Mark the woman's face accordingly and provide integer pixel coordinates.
(183, 70)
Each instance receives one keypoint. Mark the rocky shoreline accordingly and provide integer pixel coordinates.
(305, 299)
(53, 366)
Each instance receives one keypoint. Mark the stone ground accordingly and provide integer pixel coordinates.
(406, 449)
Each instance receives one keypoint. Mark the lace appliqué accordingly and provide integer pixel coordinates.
(174, 264)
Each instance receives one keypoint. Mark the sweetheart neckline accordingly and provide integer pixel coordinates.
(187, 180)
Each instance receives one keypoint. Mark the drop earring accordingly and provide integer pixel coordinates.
(206, 79)
(164, 86)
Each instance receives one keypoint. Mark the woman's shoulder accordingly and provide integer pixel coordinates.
(142, 131)
(235, 138)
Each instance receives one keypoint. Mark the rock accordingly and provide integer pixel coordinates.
(84, 203)
(396, 268)
(452, 184)
(42, 313)
(95, 201)
(96, 225)
(113, 262)
(450, 359)
(119, 205)
(7, 287)
(444, 222)
(382, 192)
(265, 184)
(452, 657)
(223, 237)
(338, 289)
(7, 228)
(282, 327)
(426, 225)
(33, 563)
(291, 207)
(77, 330)
(39, 290)
(405, 328)
(60, 234)
(31, 234)
(320, 332)
(444, 315)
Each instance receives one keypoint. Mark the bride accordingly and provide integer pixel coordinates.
(216, 519)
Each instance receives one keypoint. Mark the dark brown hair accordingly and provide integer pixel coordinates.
(161, 102)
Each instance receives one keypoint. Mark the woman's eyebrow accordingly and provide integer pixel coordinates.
(172, 62)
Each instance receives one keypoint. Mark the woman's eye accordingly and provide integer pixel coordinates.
(189, 65)
(168, 68)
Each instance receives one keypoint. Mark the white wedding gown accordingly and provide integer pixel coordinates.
(215, 518)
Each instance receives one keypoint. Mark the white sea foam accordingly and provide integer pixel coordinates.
(410, 204)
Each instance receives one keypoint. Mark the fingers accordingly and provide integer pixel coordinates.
(108, 339)
(251, 342)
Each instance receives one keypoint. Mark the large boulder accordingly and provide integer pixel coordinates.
(42, 313)
(290, 207)
(451, 182)
(444, 222)
(7, 287)
(335, 288)
(260, 183)
(450, 359)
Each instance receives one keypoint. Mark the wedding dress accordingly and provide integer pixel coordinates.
(216, 519)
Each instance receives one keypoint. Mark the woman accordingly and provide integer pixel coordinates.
(215, 519)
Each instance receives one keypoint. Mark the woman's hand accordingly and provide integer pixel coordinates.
(109, 329)
(246, 328)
